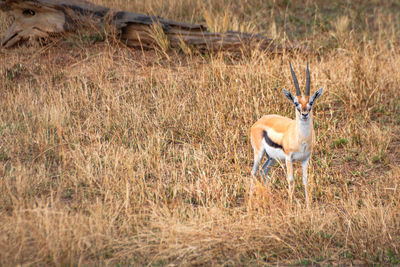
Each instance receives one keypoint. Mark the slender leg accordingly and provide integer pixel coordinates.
(266, 168)
(304, 165)
(254, 171)
(289, 167)
(257, 157)
(256, 164)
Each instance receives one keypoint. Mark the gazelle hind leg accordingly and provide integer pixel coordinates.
(266, 168)
(256, 164)
(257, 158)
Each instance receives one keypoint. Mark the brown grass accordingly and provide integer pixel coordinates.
(110, 155)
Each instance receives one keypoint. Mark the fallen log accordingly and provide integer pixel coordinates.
(35, 19)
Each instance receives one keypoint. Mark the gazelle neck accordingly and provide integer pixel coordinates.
(304, 127)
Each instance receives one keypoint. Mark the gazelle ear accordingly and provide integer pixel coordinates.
(316, 95)
(288, 95)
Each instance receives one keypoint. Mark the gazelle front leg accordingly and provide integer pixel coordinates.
(304, 165)
(289, 168)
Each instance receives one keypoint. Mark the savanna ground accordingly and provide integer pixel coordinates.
(111, 155)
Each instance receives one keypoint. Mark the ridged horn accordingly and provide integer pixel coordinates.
(307, 93)
(296, 83)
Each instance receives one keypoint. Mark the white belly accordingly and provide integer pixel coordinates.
(275, 153)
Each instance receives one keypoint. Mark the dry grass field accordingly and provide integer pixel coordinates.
(116, 156)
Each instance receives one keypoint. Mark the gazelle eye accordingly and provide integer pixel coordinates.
(28, 13)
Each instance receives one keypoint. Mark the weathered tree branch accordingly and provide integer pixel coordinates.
(41, 18)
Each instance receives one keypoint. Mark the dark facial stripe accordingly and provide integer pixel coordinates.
(270, 142)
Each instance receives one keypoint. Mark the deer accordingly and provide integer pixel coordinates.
(281, 138)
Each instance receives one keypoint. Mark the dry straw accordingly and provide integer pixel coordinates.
(111, 155)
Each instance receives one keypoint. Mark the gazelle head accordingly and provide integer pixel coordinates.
(303, 103)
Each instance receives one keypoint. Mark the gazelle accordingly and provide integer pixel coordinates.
(281, 138)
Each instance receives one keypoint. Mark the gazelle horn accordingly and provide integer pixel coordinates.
(296, 83)
(307, 93)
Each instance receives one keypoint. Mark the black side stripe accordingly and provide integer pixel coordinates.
(270, 142)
